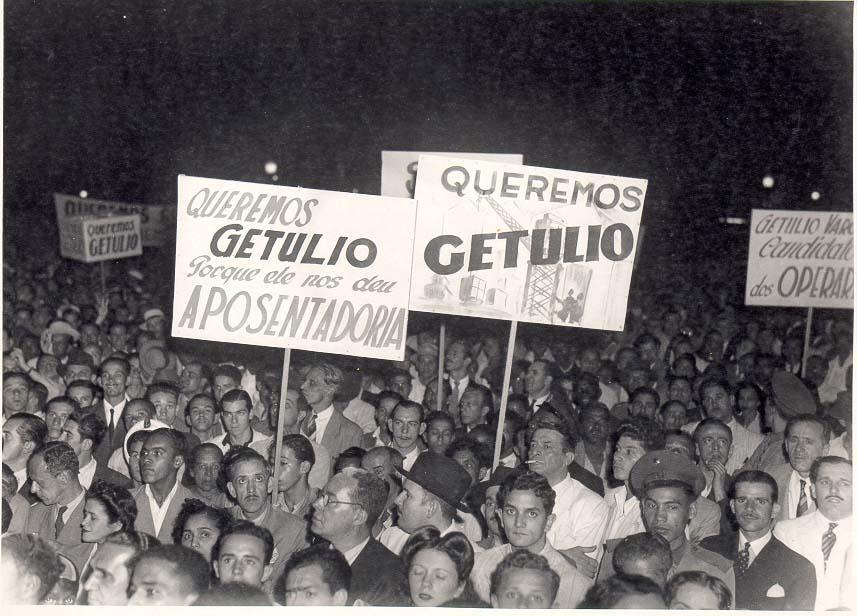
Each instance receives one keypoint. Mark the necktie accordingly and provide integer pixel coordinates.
(742, 563)
(110, 428)
(454, 397)
(802, 504)
(60, 523)
(828, 539)
(311, 426)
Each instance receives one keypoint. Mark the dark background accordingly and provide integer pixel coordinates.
(118, 97)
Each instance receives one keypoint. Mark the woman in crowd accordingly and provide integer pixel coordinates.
(438, 569)
(198, 526)
(695, 590)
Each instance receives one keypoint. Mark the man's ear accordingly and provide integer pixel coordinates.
(270, 485)
(812, 490)
(494, 603)
(178, 461)
(550, 522)
(422, 428)
(305, 467)
(732, 505)
(569, 457)
(84, 446)
(340, 597)
(231, 489)
(266, 572)
(691, 511)
(776, 509)
(216, 567)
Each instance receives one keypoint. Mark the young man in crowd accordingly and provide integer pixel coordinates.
(713, 444)
(317, 576)
(768, 575)
(79, 367)
(83, 432)
(202, 414)
(243, 553)
(594, 448)
(387, 401)
(16, 392)
(161, 496)
(225, 378)
(169, 575)
(85, 393)
(203, 467)
(297, 459)
(524, 580)
(406, 425)
(440, 430)
(236, 410)
(249, 483)
(457, 363)
(825, 536)
(383, 462)
(474, 407)
(644, 554)
(344, 515)
(807, 438)
(193, 380)
(59, 409)
(526, 505)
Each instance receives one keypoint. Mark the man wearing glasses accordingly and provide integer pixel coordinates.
(236, 411)
(344, 514)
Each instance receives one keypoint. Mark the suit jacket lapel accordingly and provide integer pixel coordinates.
(70, 533)
(331, 431)
(145, 523)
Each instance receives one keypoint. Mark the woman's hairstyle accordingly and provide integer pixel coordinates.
(455, 545)
(714, 584)
(193, 506)
(117, 502)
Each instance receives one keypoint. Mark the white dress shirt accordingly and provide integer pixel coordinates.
(756, 545)
(624, 514)
(117, 411)
(86, 473)
(71, 506)
(794, 495)
(160, 512)
(581, 517)
(408, 460)
(321, 421)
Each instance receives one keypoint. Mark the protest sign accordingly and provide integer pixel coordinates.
(399, 169)
(524, 243)
(157, 221)
(800, 258)
(291, 267)
(91, 239)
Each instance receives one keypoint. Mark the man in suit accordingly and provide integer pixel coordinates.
(114, 377)
(83, 432)
(23, 434)
(324, 425)
(344, 515)
(161, 496)
(540, 392)
(768, 575)
(824, 537)
(53, 471)
(807, 438)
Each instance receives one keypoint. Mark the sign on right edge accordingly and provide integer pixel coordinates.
(801, 259)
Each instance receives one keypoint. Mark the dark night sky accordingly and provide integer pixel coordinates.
(118, 97)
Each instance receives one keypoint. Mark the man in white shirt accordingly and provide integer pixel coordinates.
(114, 378)
(406, 425)
(824, 537)
(23, 434)
(457, 363)
(236, 413)
(806, 439)
(580, 514)
(325, 425)
(718, 402)
(432, 494)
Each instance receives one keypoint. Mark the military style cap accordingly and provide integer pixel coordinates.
(664, 468)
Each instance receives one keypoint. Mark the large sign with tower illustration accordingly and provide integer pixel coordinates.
(516, 242)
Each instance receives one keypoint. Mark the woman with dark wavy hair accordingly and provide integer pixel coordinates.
(107, 508)
(438, 569)
(199, 525)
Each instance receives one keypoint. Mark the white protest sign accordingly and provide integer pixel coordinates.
(524, 243)
(399, 169)
(800, 258)
(278, 266)
(91, 239)
(157, 221)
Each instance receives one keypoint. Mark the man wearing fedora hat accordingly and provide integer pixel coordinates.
(789, 398)
(526, 503)
(432, 495)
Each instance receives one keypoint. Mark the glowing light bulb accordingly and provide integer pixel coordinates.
(815, 196)
(270, 167)
(83, 194)
(768, 181)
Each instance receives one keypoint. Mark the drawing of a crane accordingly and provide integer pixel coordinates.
(542, 281)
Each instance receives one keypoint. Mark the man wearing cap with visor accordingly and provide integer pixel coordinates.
(668, 487)
(57, 340)
(155, 322)
(789, 398)
(432, 495)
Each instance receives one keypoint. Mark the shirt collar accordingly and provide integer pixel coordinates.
(74, 503)
(757, 545)
(325, 413)
(167, 500)
(352, 554)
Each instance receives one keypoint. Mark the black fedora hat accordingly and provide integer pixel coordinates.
(442, 476)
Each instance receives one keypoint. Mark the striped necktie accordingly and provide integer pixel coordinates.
(802, 504)
(828, 539)
(311, 426)
(59, 523)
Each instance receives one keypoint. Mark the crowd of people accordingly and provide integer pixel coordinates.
(686, 462)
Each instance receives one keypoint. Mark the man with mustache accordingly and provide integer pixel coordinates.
(768, 575)
(824, 537)
(249, 483)
(713, 441)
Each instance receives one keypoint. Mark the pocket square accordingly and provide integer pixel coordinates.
(776, 592)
